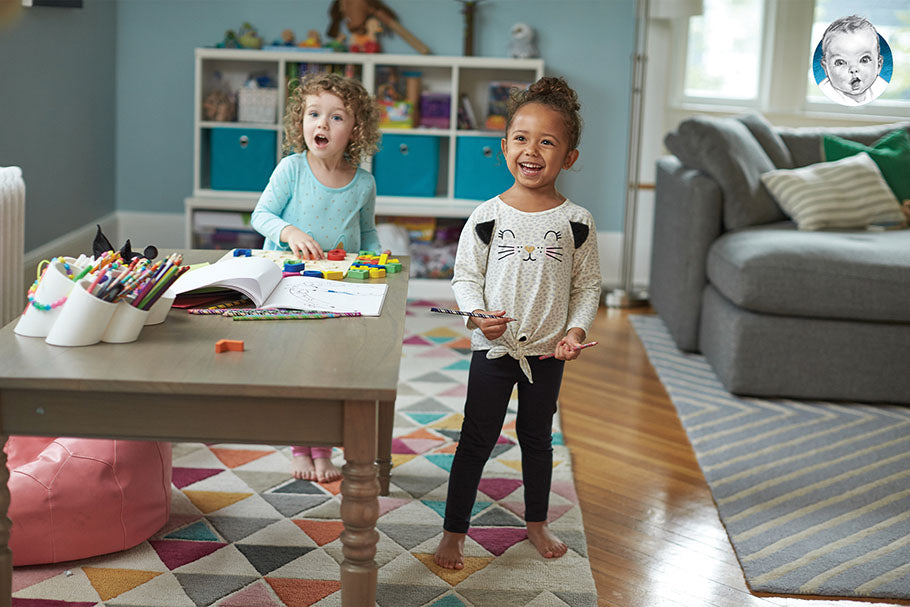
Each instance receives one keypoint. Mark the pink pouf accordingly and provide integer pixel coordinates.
(72, 498)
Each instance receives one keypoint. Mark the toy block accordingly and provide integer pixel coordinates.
(358, 273)
(313, 273)
(242, 253)
(393, 267)
(286, 274)
(336, 255)
(383, 258)
(333, 274)
(392, 260)
(377, 272)
(294, 267)
(225, 345)
(366, 252)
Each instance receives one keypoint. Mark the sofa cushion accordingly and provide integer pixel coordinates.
(805, 143)
(840, 275)
(769, 139)
(847, 193)
(725, 149)
(891, 153)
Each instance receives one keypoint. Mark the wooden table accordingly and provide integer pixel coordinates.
(303, 382)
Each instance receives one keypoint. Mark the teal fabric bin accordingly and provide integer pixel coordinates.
(480, 168)
(407, 165)
(242, 159)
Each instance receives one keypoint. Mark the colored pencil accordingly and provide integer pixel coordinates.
(464, 313)
(296, 316)
(581, 347)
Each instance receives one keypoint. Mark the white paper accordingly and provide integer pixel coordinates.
(255, 277)
(307, 293)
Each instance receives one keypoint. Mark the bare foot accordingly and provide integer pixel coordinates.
(450, 553)
(326, 471)
(548, 545)
(302, 467)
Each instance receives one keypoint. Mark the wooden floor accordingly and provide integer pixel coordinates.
(654, 538)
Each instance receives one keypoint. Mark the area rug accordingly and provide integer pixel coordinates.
(243, 533)
(815, 496)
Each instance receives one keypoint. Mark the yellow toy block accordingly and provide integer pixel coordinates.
(383, 258)
(377, 272)
(392, 260)
(333, 274)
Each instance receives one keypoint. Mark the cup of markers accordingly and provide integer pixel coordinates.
(111, 301)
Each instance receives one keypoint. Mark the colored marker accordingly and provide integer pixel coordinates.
(577, 348)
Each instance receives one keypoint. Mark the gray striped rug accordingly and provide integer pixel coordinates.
(815, 496)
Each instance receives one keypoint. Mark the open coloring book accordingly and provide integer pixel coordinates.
(260, 280)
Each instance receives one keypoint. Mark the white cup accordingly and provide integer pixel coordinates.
(83, 318)
(125, 324)
(158, 311)
(54, 286)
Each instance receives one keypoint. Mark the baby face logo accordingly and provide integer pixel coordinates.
(852, 63)
(549, 248)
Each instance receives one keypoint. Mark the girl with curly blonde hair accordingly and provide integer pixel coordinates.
(318, 198)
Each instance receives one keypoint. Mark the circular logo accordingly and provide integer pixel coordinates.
(848, 66)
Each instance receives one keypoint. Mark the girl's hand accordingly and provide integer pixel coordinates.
(568, 346)
(492, 328)
(302, 244)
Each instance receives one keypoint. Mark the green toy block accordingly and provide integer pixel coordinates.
(358, 273)
(392, 267)
(365, 252)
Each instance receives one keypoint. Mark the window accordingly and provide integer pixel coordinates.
(892, 20)
(723, 57)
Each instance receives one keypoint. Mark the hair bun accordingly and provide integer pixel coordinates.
(556, 91)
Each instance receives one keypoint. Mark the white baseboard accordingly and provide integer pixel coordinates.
(166, 231)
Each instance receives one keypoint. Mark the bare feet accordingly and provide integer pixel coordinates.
(302, 467)
(548, 545)
(450, 553)
(326, 471)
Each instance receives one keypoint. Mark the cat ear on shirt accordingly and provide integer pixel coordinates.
(579, 232)
(484, 231)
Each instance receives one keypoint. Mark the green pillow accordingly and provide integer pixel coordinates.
(891, 153)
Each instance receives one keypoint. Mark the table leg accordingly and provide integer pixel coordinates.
(6, 556)
(386, 421)
(359, 504)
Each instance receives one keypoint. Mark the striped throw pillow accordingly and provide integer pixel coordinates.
(848, 193)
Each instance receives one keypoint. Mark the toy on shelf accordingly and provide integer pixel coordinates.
(356, 15)
(498, 103)
(312, 40)
(368, 40)
(245, 37)
(287, 38)
(337, 44)
(219, 106)
(523, 44)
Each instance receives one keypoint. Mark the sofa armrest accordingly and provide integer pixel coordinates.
(687, 220)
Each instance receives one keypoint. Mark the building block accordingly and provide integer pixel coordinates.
(333, 274)
(313, 273)
(336, 255)
(366, 252)
(358, 273)
(225, 345)
(393, 267)
(383, 258)
(242, 253)
(294, 267)
(377, 272)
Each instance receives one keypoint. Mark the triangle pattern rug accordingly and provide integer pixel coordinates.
(815, 496)
(243, 533)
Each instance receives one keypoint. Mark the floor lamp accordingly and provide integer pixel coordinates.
(627, 296)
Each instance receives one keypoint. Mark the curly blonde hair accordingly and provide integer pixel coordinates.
(556, 94)
(365, 135)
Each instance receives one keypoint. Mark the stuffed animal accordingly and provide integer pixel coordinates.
(367, 42)
(522, 45)
(247, 37)
(101, 245)
(356, 15)
(312, 40)
(220, 106)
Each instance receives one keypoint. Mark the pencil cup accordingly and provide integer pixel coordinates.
(125, 325)
(55, 286)
(158, 311)
(83, 319)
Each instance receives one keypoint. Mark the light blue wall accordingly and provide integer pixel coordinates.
(93, 132)
(589, 42)
(57, 114)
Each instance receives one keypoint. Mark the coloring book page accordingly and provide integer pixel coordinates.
(319, 294)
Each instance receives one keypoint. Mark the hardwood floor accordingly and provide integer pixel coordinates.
(654, 537)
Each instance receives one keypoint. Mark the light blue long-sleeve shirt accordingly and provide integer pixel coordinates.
(332, 216)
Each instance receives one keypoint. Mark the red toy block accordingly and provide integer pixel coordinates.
(336, 255)
(224, 345)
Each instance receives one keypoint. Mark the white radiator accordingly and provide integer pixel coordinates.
(12, 243)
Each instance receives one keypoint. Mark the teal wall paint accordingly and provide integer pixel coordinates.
(97, 104)
(57, 114)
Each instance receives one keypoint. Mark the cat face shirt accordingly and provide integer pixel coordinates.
(542, 268)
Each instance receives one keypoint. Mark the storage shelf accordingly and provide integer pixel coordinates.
(212, 124)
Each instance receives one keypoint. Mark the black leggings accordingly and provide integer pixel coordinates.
(490, 385)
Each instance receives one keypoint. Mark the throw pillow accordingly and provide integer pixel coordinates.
(848, 193)
(891, 153)
(725, 149)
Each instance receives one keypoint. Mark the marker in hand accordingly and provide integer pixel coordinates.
(577, 348)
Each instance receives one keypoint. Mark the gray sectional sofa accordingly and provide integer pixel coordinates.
(777, 312)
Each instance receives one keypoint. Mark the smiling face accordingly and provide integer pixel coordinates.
(526, 248)
(536, 147)
(327, 125)
(852, 61)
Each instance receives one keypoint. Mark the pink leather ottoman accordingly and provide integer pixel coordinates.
(72, 498)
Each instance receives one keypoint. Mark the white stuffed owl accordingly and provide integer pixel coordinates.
(522, 44)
